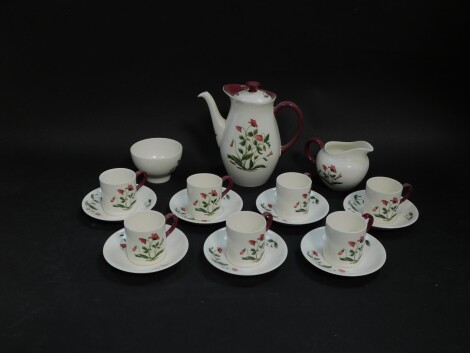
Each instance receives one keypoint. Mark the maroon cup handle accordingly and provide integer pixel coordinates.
(144, 178)
(370, 220)
(175, 222)
(307, 150)
(229, 186)
(407, 189)
(269, 219)
(300, 117)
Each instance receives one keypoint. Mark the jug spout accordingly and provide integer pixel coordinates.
(217, 120)
(365, 146)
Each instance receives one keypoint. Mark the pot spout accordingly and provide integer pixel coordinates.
(217, 120)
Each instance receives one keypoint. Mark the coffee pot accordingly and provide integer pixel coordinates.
(249, 139)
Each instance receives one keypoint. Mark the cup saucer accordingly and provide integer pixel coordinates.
(91, 204)
(275, 254)
(231, 203)
(114, 251)
(373, 258)
(407, 211)
(319, 207)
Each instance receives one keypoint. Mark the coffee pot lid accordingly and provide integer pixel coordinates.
(249, 93)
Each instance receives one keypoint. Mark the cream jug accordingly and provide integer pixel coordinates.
(249, 139)
(340, 165)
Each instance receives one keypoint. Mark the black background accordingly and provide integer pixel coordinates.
(82, 81)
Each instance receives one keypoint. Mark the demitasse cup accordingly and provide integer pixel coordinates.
(383, 195)
(345, 234)
(293, 195)
(146, 236)
(246, 237)
(119, 190)
(205, 195)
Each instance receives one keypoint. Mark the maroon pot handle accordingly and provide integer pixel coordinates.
(300, 117)
(144, 178)
(229, 186)
(370, 220)
(269, 219)
(407, 189)
(175, 222)
(307, 150)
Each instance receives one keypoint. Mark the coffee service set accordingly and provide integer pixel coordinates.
(250, 147)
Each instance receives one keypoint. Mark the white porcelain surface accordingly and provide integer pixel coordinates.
(158, 156)
(407, 211)
(275, 254)
(292, 195)
(318, 209)
(231, 203)
(114, 251)
(91, 204)
(373, 259)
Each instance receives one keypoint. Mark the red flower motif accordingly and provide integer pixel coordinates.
(242, 252)
(375, 208)
(253, 123)
(395, 200)
(134, 248)
(341, 252)
(213, 192)
(239, 128)
(203, 195)
(234, 269)
(113, 199)
(183, 209)
(252, 242)
(270, 205)
(304, 196)
(121, 191)
(261, 237)
(219, 249)
(324, 167)
(231, 143)
(352, 243)
(297, 205)
(259, 138)
(123, 246)
(195, 202)
(143, 241)
(130, 187)
(154, 236)
(270, 154)
(333, 168)
(385, 202)
(341, 270)
(361, 239)
(315, 252)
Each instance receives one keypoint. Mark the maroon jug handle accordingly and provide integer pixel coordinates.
(175, 222)
(229, 186)
(370, 220)
(144, 178)
(300, 117)
(407, 189)
(269, 219)
(307, 150)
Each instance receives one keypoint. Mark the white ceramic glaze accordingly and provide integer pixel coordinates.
(246, 238)
(115, 253)
(292, 195)
(91, 204)
(249, 139)
(146, 236)
(231, 203)
(340, 165)
(374, 258)
(383, 196)
(215, 250)
(345, 233)
(205, 195)
(319, 207)
(407, 213)
(158, 156)
(119, 191)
